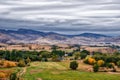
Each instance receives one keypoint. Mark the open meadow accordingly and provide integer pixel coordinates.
(61, 71)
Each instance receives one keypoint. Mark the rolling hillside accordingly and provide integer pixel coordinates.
(32, 36)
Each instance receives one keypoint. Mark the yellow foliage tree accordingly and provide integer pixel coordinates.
(2, 75)
(91, 61)
(100, 62)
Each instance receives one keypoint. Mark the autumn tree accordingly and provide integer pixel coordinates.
(100, 62)
(91, 61)
(21, 63)
(2, 75)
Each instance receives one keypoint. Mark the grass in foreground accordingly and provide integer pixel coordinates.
(60, 71)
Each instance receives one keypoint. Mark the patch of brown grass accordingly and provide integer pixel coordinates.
(55, 72)
(36, 71)
(38, 79)
(5, 73)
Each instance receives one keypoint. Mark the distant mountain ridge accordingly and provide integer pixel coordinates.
(32, 36)
(30, 31)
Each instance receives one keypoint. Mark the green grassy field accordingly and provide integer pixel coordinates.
(60, 71)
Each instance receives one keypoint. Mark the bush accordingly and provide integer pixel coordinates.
(1, 62)
(2, 75)
(100, 63)
(84, 53)
(77, 55)
(86, 61)
(21, 63)
(91, 61)
(114, 69)
(13, 76)
(27, 61)
(9, 64)
(73, 65)
(55, 58)
(95, 68)
(118, 64)
(110, 65)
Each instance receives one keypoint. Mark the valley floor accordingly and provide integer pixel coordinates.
(61, 71)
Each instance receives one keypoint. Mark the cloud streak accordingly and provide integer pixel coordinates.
(61, 15)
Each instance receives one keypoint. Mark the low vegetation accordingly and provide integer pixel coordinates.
(7, 64)
(73, 65)
(60, 65)
(61, 71)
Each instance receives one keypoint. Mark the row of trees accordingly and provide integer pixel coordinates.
(110, 61)
(97, 59)
(15, 55)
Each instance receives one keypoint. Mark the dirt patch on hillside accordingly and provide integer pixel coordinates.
(38, 79)
(113, 73)
(84, 67)
(36, 71)
(55, 72)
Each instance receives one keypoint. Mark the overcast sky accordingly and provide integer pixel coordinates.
(63, 16)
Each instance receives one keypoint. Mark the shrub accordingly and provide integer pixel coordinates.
(114, 69)
(21, 63)
(86, 61)
(110, 65)
(13, 76)
(95, 68)
(77, 55)
(100, 62)
(83, 55)
(2, 75)
(9, 64)
(5, 73)
(73, 65)
(118, 64)
(55, 58)
(1, 62)
(91, 61)
(28, 60)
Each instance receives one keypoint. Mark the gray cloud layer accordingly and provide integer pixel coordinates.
(64, 16)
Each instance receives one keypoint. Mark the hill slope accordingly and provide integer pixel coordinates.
(32, 36)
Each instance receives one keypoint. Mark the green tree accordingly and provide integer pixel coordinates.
(84, 53)
(55, 58)
(45, 54)
(77, 55)
(109, 65)
(96, 68)
(73, 65)
(118, 64)
(28, 60)
(13, 76)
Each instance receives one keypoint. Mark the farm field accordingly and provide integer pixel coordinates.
(61, 71)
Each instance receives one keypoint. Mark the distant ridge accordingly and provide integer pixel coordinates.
(28, 35)
(30, 31)
(94, 35)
